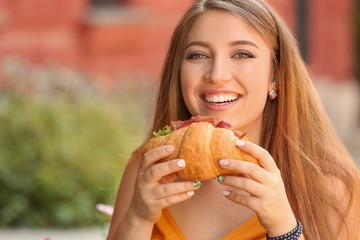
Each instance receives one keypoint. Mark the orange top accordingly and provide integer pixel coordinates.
(167, 229)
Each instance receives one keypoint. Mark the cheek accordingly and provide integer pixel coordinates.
(184, 82)
(256, 84)
(259, 93)
(187, 89)
(261, 77)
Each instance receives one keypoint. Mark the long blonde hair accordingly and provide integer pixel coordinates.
(296, 130)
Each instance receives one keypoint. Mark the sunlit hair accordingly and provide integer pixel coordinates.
(296, 130)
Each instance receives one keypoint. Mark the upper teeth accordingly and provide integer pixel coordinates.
(220, 98)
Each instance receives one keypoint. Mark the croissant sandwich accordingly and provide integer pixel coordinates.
(201, 142)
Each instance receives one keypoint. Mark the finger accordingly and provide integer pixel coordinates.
(246, 184)
(157, 171)
(246, 200)
(169, 189)
(246, 169)
(156, 154)
(263, 156)
(168, 178)
(174, 199)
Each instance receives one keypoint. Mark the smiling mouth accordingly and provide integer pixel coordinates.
(220, 99)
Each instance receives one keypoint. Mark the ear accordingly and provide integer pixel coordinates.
(274, 84)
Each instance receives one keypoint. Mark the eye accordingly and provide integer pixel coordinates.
(196, 56)
(243, 55)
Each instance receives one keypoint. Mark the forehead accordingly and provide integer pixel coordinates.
(221, 26)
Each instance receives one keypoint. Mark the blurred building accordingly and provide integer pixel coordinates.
(98, 35)
(115, 36)
(111, 35)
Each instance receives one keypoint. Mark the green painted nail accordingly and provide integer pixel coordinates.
(220, 178)
(196, 183)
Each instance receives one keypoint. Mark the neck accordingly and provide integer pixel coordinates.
(254, 136)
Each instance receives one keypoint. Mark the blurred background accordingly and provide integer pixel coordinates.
(77, 82)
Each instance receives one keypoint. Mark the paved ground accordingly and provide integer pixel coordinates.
(48, 234)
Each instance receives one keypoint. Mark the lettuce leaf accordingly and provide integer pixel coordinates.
(165, 131)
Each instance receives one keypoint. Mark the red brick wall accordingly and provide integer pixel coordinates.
(137, 42)
(62, 31)
(331, 44)
(42, 30)
(287, 10)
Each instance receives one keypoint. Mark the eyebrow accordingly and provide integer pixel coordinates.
(243, 42)
(197, 43)
(233, 43)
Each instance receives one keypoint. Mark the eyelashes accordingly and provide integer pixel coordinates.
(202, 56)
(243, 55)
(196, 56)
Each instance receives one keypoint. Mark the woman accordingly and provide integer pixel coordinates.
(237, 60)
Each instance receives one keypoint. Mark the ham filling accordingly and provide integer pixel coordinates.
(214, 121)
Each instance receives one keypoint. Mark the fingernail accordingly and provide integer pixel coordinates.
(226, 193)
(196, 183)
(190, 193)
(240, 143)
(181, 163)
(220, 178)
(224, 162)
(169, 148)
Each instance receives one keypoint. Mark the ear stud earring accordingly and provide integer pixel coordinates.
(272, 94)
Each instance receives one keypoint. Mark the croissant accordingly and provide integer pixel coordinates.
(201, 145)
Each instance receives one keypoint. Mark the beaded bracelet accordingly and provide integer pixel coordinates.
(292, 235)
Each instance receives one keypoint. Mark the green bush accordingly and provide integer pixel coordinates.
(63, 151)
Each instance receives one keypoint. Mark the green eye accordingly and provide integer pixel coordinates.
(243, 55)
(196, 56)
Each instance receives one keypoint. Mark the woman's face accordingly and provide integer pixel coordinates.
(227, 71)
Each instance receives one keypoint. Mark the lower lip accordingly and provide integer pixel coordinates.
(222, 107)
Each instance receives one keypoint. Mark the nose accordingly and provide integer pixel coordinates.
(219, 72)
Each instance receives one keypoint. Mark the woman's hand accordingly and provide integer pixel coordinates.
(260, 189)
(154, 189)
